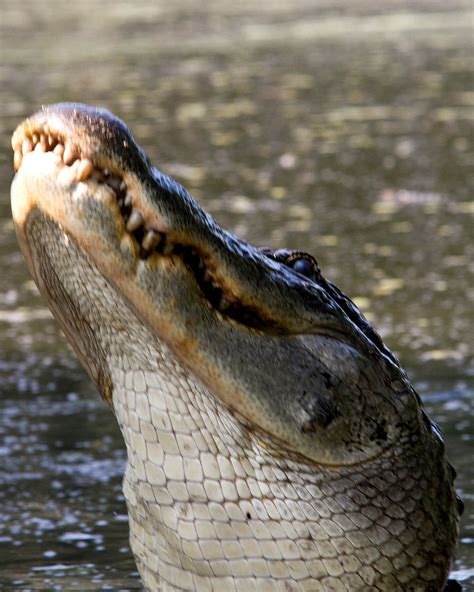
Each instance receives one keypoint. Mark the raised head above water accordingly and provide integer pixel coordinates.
(273, 440)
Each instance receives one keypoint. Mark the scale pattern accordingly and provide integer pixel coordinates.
(216, 509)
(214, 506)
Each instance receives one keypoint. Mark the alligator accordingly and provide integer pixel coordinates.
(274, 442)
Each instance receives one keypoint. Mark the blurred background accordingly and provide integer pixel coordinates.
(341, 128)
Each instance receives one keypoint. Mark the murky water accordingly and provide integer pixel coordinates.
(343, 131)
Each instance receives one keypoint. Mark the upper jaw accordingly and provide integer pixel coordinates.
(85, 132)
(96, 157)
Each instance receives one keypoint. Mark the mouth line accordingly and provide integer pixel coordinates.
(149, 240)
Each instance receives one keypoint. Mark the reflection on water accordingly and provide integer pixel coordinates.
(63, 515)
(344, 130)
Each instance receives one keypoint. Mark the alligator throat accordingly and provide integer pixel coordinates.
(273, 440)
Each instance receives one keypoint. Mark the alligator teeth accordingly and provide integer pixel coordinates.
(59, 149)
(114, 182)
(27, 145)
(151, 240)
(84, 170)
(68, 175)
(69, 154)
(135, 221)
(44, 142)
(142, 241)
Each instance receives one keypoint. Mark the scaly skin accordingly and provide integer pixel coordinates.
(273, 442)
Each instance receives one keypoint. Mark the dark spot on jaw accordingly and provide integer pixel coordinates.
(322, 420)
(248, 515)
(380, 432)
(322, 412)
(327, 379)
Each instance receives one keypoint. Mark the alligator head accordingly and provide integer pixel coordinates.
(239, 376)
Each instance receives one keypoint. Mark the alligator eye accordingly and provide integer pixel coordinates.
(298, 261)
(304, 267)
(303, 263)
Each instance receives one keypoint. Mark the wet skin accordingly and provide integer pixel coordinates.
(250, 391)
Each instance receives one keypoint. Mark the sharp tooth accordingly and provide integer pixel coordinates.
(135, 221)
(35, 137)
(151, 240)
(123, 186)
(59, 150)
(51, 141)
(75, 168)
(44, 142)
(39, 147)
(67, 175)
(114, 182)
(128, 200)
(17, 159)
(27, 145)
(69, 154)
(85, 169)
